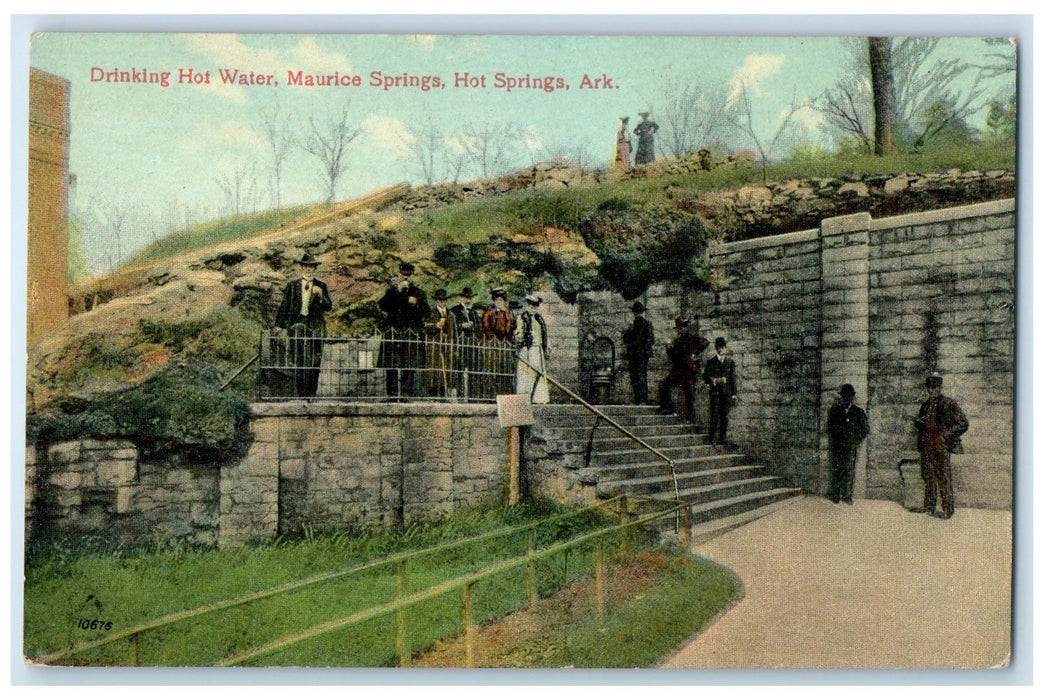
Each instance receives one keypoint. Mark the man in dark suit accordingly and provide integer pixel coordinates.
(940, 425)
(638, 345)
(720, 376)
(683, 352)
(405, 306)
(847, 426)
(301, 315)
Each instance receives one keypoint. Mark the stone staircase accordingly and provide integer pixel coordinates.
(724, 487)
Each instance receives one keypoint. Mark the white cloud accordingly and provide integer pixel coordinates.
(755, 69)
(806, 115)
(388, 134)
(532, 138)
(226, 136)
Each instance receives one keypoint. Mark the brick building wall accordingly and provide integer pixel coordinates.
(47, 285)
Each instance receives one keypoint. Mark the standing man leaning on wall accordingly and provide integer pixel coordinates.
(720, 376)
(847, 426)
(638, 346)
(940, 424)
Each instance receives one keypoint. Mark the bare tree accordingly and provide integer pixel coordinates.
(239, 186)
(1001, 60)
(922, 79)
(693, 117)
(279, 138)
(883, 82)
(328, 141)
(741, 116)
(113, 216)
(427, 151)
(489, 149)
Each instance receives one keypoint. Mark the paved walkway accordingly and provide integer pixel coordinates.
(869, 585)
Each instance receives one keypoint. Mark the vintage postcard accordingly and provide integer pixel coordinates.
(520, 351)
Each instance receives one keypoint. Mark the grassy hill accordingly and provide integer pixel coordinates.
(146, 360)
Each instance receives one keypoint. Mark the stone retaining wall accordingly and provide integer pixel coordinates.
(103, 489)
(320, 466)
(877, 303)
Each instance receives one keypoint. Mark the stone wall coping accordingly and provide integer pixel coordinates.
(781, 239)
(344, 408)
(998, 206)
(968, 211)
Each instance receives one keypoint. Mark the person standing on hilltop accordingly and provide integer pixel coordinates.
(405, 306)
(301, 314)
(646, 128)
(622, 151)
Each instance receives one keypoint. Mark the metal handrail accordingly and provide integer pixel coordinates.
(593, 409)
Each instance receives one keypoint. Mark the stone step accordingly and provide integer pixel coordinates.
(638, 470)
(542, 410)
(573, 420)
(607, 432)
(662, 483)
(661, 442)
(706, 531)
(714, 510)
(639, 454)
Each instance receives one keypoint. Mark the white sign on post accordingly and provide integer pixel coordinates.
(514, 410)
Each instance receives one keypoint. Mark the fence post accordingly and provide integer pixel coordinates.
(531, 594)
(469, 634)
(625, 517)
(599, 577)
(514, 458)
(137, 650)
(685, 526)
(400, 620)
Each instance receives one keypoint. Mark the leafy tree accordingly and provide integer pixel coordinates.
(1000, 120)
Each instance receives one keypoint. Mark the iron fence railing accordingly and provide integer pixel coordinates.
(398, 366)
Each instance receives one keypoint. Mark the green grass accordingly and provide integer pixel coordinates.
(230, 228)
(62, 588)
(639, 633)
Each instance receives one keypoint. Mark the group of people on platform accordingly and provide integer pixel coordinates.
(452, 353)
(646, 152)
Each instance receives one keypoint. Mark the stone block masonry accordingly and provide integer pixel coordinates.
(315, 466)
(876, 303)
(330, 466)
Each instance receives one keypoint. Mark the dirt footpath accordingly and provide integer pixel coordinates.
(869, 585)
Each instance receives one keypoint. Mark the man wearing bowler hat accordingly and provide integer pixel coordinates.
(940, 424)
(719, 373)
(301, 314)
(638, 345)
(405, 306)
(847, 426)
(683, 352)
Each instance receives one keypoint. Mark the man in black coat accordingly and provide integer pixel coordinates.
(405, 306)
(638, 345)
(683, 352)
(301, 315)
(940, 424)
(720, 376)
(847, 426)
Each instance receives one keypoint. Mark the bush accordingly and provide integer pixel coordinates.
(642, 245)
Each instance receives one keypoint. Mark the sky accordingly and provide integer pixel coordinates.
(159, 152)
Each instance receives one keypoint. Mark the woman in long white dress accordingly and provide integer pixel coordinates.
(531, 341)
